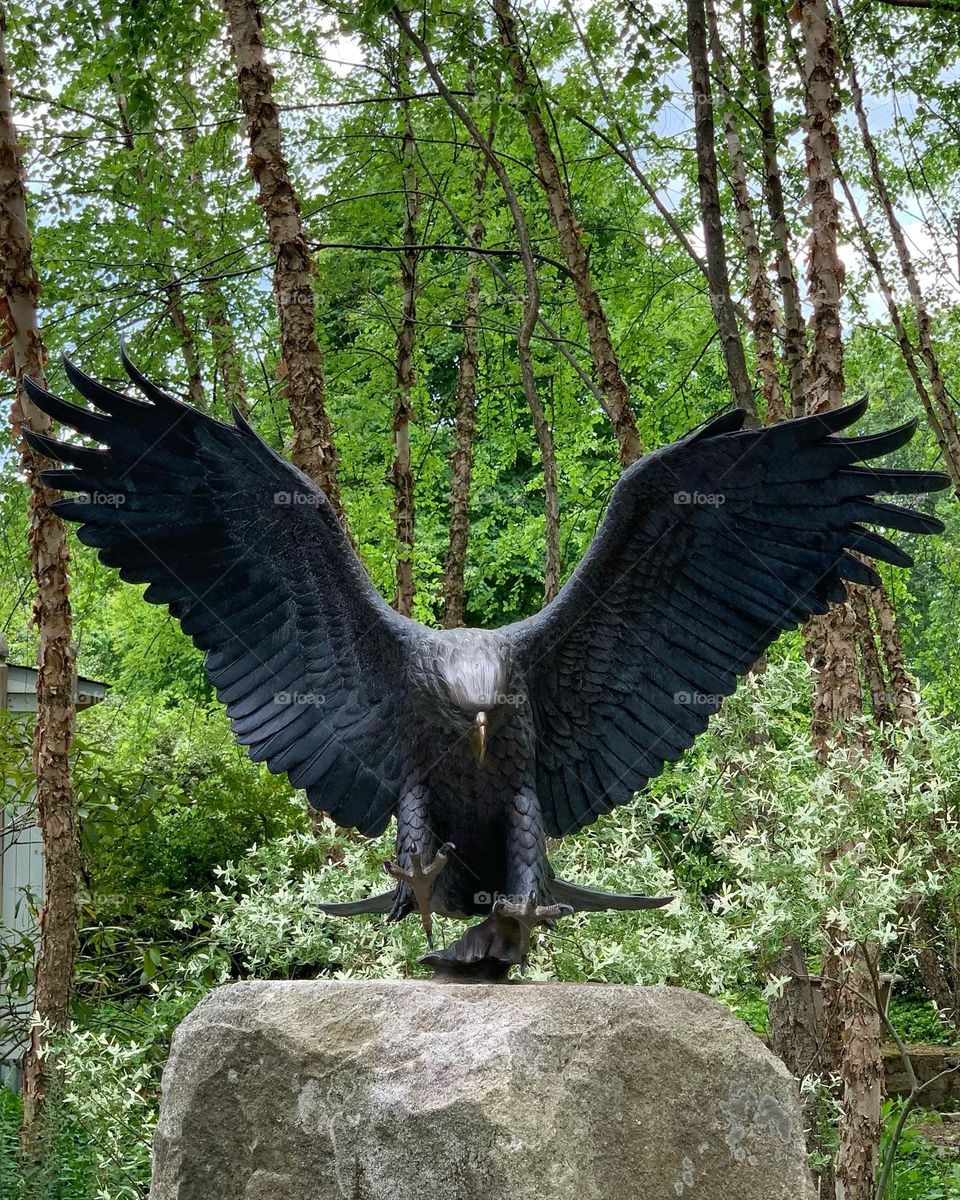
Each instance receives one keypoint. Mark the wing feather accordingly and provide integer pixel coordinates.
(709, 550)
(246, 552)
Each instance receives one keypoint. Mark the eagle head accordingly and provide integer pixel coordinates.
(469, 685)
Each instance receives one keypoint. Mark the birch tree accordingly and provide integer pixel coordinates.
(23, 355)
(300, 368)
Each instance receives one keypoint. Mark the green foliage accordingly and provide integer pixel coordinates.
(922, 1171)
(917, 1022)
(96, 1139)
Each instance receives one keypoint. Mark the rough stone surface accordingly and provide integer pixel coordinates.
(414, 1090)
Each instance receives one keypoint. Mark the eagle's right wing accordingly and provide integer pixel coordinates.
(710, 548)
(247, 553)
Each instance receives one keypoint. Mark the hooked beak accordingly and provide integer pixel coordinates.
(478, 737)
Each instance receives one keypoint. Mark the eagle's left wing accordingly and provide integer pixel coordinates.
(248, 555)
(710, 548)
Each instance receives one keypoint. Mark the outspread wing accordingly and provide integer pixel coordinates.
(710, 548)
(247, 553)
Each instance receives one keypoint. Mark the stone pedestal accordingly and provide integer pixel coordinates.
(355, 1090)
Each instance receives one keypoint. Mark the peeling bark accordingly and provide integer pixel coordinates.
(830, 647)
(902, 691)
(616, 398)
(717, 274)
(873, 675)
(861, 1075)
(300, 369)
(825, 273)
(765, 320)
(831, 639)
(56, 708)
(850, 1018)
(794, 331)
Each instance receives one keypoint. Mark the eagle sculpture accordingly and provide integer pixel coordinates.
(481, 743)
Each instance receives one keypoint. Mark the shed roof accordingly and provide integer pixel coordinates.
(18, 686)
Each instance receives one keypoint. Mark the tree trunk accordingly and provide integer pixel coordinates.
(861, 1074)
(850, 1015)
(832, 642)
(623, 150)
(226, 354)
(870, 659)
(528, 322)
(188, 345)
(718, 276)
(794, 331)
(612, 384)
(945, 997)
(825, 272)
(764, 312)
(946, 417)
(901, 686)
(300, 369)
(794, 1018)
(56, 709)
(403, 511)
(796, 1037)
(900, 700)
(461, 460)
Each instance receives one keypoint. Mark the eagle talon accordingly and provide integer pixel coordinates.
(419, 881)
(528, 913)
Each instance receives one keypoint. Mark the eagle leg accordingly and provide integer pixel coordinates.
(486, 952)
(419, 880)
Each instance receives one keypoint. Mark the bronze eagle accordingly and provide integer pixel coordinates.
(480, 743)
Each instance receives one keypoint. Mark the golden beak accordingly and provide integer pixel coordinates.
(478, 738)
